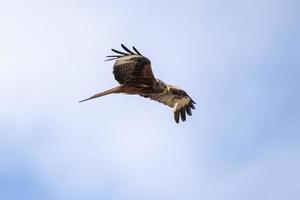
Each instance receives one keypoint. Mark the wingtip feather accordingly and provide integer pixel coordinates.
(136, 51)
(176, 116)
(183, 116)
(126, 49)
(192, 105)
(188, 110)
(119, 52)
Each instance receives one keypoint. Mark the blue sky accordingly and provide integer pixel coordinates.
(239, 60)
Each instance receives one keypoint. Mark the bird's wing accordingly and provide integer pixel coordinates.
(132, 67)
(177, 99)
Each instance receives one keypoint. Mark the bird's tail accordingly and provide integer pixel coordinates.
(110, 91)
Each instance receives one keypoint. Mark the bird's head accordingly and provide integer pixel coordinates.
(160, 83)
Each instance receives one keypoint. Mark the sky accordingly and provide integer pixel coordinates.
(239, 60)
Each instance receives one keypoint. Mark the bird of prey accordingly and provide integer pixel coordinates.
(133, 72)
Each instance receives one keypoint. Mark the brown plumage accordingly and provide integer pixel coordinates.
(133, 71)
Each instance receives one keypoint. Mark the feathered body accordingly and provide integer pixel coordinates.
(133, 72)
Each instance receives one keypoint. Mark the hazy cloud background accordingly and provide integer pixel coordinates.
(239, 60)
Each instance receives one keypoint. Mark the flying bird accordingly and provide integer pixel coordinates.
(133, 72)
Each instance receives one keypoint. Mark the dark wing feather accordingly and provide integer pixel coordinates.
(136, 51)
(119, 52)
(132, 68)
(142, 72)
(126, 49)
(177, 99)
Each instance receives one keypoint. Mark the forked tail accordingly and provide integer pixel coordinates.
(110, 91)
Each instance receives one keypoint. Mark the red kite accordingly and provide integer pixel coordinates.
(133, 71)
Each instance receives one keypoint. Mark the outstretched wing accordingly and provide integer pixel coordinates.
(132, 67)
(177, 99)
